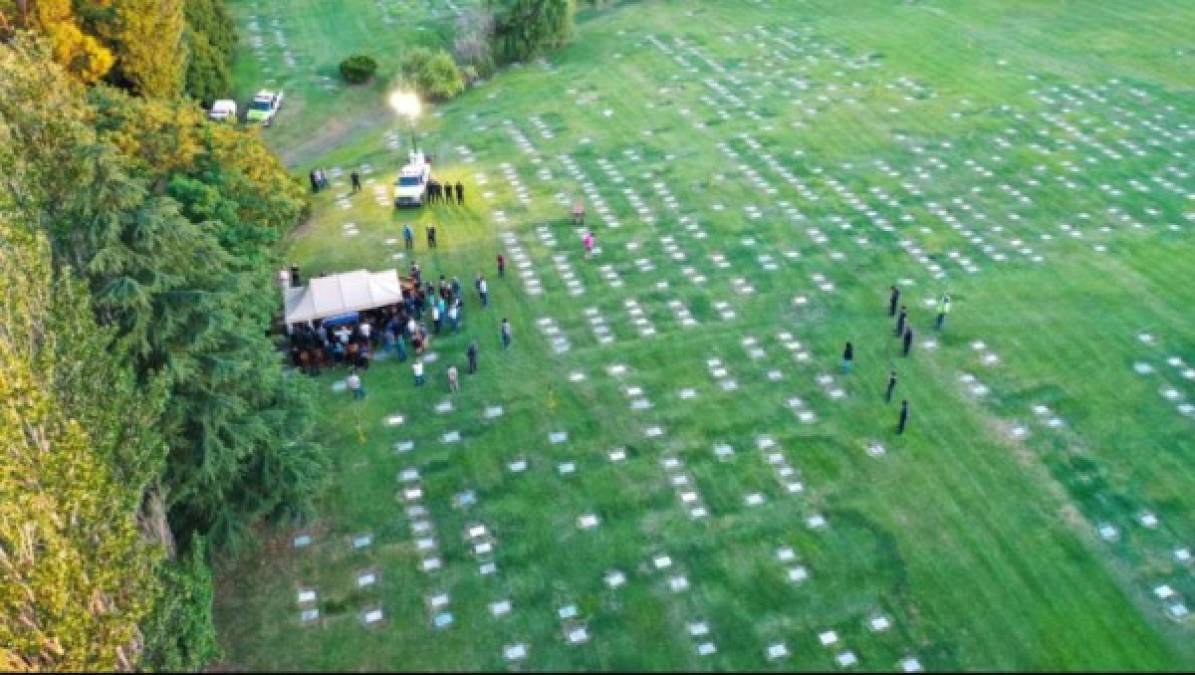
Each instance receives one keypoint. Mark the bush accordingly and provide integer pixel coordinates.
(434, 74)
(358, 68)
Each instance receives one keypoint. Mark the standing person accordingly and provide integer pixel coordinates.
(908, 340)
(454, 317)
(356, 179)
(501, 266)
(400, 348)
(454, 384)
(848, 357)
(904, 417)
(314, 181)
(323, 179)
(483, 289)
(408, 237)
(355, 385)
(579, 213)
(437, 318)
(430, 230)
(456, 287)
(900, 320)
(890, 388)
(460, 193)
(587, 241)
(943, 310)
(505, 333)
(472, 354)
(417, 368)
(893, 300)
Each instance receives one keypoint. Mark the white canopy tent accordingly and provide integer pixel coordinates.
(342, 293)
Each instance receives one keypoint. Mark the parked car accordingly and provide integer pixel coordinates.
(264, 107)
(223, 110)
(411, 186)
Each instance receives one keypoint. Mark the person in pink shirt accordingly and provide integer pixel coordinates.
(587, 240)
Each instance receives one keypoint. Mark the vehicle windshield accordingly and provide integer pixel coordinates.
(260, 105)
(408, 180)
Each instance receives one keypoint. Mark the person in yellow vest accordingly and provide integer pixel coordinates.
(943, 309)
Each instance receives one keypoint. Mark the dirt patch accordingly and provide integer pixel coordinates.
(333, 133)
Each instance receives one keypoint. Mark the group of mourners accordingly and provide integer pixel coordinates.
(404, 330)
(904, 331)
(438, 192)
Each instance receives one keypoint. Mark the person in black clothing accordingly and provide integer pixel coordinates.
(908, 339)
(848, 357)
(460, 193)
(356, 178)
(294, 277)
(314, 181)
(431, 236)
(891, 386)
(472, 354)
(904, 417)
(900, 320)
(893, 301)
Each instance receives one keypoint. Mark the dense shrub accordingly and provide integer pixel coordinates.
(433, 73)
(358, 68)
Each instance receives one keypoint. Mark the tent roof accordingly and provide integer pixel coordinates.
(342, 293)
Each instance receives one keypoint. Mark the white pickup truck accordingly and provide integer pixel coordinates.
(411, 186)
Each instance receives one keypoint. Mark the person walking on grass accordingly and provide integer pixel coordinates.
(908, 340)
(355, 386)
(901, 319)
(417, 368)
(893, 300)
(891, 387)
(356, 179)
(431, 236)
(437, 318)
(472, 354)
(454, 384)
(314, 181)
(848, 357)
(505, 333)
(460, 194)
(408, 237)
(904, 417)
(483, 289)
(587, 241)
(501, 266)
(943, 310)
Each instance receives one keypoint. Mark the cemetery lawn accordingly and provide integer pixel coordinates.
(757, 175)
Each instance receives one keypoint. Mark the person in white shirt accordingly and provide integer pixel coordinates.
(343, 334)
(483, 289)
(366, 329)
(417, 368)
(355, 386)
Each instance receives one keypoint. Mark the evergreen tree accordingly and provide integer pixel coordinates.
(525, 28)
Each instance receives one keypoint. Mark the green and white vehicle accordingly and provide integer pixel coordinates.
(264, 107)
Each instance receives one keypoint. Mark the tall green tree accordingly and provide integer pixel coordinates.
(147, 38)
(526, 28)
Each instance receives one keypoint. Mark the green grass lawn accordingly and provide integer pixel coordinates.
(767, 170)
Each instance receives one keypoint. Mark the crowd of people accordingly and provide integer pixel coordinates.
(403, 330)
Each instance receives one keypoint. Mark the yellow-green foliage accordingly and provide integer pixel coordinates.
(71, 45)
(76, 577)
